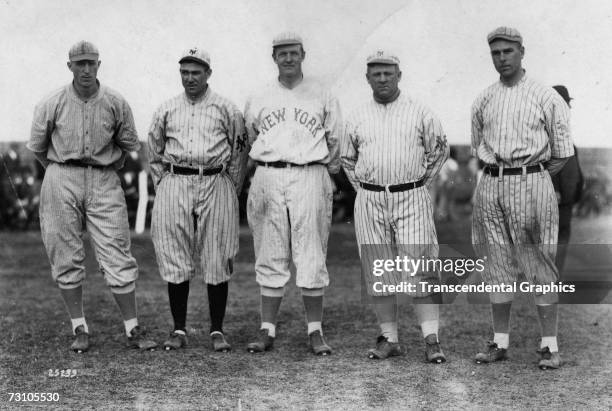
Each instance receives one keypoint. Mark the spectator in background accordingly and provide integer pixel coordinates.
(443, 187)
(568, 185)
(129, 182)
(10, 180)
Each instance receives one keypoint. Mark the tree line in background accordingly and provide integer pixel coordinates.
(21, 178)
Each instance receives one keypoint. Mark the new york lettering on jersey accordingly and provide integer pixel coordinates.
(293, 125)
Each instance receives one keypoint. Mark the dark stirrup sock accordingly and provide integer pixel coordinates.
(217, 301)
(178, 294)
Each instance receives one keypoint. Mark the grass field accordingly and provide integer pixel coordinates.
(36, 335)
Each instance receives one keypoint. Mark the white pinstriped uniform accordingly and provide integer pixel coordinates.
(195, 214)
(99, 132)
(525, 124)
(289, 209)
(389, 144)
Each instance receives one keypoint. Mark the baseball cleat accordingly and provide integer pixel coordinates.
(175, 341)
(384, 349)
(433, 352)
(492, 353)
(137, 339)
(264, 343)
(219, 342)
(81, 340)
(548, 360)
(317, 344)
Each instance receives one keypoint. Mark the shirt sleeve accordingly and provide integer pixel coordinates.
(333, 133)
(157, 145)
(126, 136)
(239, 142)
(557, 121)
(477, 126)
(43, 125)
(436, 147)
(251, 122)
(349, 153)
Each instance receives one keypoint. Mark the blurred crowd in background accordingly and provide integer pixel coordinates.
(21, 178)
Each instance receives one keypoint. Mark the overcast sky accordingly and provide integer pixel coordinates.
(441, 44)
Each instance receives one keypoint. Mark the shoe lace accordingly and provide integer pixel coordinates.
(434, 347)
(381, 339)
(317, 337)
(137, 332)
(545, 353)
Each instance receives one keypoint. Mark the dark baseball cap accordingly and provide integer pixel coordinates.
(562, 90)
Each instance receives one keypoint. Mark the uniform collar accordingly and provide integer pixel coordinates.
(399, 94)
(296, 85)
(72, 92)
(199, 99)
(521, 80)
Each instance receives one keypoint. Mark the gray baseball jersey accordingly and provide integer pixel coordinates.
(96, 132)
(289, 209)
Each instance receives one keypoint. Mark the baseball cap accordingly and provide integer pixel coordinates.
(287, 38)
(505, 33)
(382, 57)
(83, 50)
(196, 55)
(562, 90)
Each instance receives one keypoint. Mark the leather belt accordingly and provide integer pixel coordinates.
(392, 188)
(81, 163)
(284, 164)
(513, 171)
(200, 171)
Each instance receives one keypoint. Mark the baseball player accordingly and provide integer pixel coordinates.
(393, 148)
(81, 134)
(568, 184)
(293, 125)
(198, 154)
(520, 130)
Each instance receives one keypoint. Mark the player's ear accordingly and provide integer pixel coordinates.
(399, 74)
(522, 50)
(208, 73)
(99, 63)
(69, 64)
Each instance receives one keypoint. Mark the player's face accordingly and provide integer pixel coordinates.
(85, 72)
(195, 78)
(384, 79)
(507, 58)
(289, 59)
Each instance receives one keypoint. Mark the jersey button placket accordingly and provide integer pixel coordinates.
(86, 129)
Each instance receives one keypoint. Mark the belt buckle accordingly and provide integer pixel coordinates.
(171, 168)
(387, 188)
(500, 173)
(200, 171)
